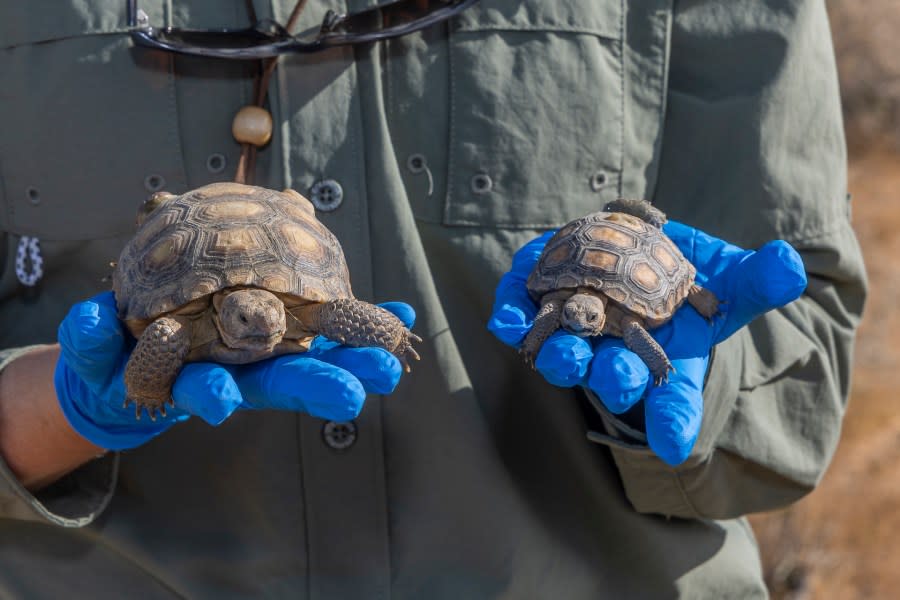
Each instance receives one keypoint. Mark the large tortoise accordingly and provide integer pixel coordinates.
(616, 273)
(235, 274)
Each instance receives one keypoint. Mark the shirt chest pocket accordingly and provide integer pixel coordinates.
(536, 130)
(91, 123)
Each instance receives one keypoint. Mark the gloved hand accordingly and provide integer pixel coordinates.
(749, 283)
(329, 381)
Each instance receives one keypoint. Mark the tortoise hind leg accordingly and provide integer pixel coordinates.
(704, 301)
(639, 341)
(638, 208)
(155, 363)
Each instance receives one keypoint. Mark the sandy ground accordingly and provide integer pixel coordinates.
(842, 540)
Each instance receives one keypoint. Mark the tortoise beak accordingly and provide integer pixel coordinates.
(267, 342)
(580, 331)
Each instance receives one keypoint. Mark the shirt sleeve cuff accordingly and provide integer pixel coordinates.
(75, 500)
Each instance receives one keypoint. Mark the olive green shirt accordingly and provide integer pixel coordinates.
(451, 148)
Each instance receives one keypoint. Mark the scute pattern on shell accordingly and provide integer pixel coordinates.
(225, 235)
(628, 260)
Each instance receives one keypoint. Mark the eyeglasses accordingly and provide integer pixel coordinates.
(266, 38)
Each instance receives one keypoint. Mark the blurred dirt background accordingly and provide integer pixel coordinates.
(843, 540)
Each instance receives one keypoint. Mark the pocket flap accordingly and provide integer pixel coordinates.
(536, 119)
(22, 23)
(602, 18)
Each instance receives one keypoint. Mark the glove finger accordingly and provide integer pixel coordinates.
(674, 411)
(207, 390)
(402, 311)
(564, 359)
(713, 257)
(301, 383)
(92, 340)
(377, 369)
(527, 256)
(513, 312)
(617, 375)
(510, 325)
(766, 279)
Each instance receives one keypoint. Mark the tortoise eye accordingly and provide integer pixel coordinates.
(592, 317)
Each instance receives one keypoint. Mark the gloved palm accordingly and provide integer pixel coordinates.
(328, 381)
(748, 283)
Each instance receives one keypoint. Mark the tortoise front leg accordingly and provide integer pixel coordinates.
(639, 341)
(155, 363)
(359, 324)
(546, 321)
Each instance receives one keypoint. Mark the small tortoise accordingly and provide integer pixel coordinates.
(235, 274)
(614, 273)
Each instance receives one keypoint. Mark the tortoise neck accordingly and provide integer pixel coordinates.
(305, 319)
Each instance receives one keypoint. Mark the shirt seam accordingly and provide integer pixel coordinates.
(542, 29)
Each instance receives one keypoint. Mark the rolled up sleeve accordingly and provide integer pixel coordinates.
(74, 500)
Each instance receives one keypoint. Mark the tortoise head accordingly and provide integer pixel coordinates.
(249, 319)
(583, 315)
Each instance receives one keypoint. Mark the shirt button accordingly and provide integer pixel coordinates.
(326, 195)
(154, 183)
(339, 435)
(598, 181)
(481, 183)
(34, 196)
(215, 163)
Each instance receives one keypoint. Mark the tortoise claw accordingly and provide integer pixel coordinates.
(528, 357)
(405, 354)
(661, 378)
(409, 350)
(406, 351)
(153, 411)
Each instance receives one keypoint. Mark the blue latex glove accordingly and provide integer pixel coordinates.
(329, 381)
(749, 283)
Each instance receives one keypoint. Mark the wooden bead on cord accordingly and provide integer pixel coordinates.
(252, 125)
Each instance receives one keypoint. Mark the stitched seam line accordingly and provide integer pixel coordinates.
(840, 224)
(679, 483)
(451, 127)
(544, 29)
(621, 97)
(175, 127)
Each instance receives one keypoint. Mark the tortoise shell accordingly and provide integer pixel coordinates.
(225, 235)
(621, 256)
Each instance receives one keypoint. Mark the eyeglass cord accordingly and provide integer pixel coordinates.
(247, 161)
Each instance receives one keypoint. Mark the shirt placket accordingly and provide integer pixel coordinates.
(342, 465)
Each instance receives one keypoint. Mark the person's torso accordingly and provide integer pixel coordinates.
(449, 150)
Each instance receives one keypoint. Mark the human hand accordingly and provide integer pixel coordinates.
(329, 381)
(749, 283)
